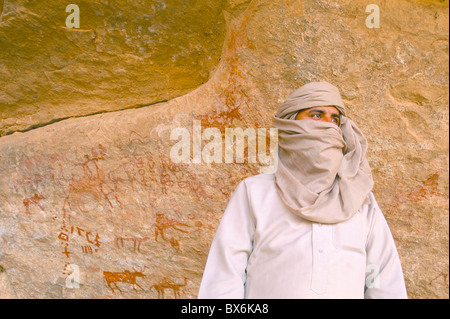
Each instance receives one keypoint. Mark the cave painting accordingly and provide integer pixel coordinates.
(166, 283)
(128, 277)
(163, 223)
(35, 200)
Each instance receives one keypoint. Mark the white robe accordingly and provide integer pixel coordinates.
(262, 250)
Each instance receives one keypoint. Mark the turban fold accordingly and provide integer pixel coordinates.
(311, 95)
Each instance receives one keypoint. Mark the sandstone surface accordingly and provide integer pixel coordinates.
(125, 54)
(94, 206)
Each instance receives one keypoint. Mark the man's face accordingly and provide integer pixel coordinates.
(320, 113)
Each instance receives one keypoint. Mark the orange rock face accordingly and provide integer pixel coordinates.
(92, 203)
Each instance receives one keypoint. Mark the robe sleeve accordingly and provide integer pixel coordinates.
(224, 276)
(384, 275)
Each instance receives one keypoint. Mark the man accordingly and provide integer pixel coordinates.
(313, 228)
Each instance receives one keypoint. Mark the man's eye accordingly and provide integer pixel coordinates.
(316, 116)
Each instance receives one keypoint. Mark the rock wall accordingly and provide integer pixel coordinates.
(93, 202)
(125, 54)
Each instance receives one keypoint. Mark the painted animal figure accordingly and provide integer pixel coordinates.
(125, 276)
(137, 242)
(166, 283)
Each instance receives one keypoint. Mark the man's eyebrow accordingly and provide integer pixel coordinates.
(312, 110)
(316, 111)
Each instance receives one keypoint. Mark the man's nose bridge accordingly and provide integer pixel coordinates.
(328, 118)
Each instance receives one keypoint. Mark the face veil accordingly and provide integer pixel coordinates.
(323, 174)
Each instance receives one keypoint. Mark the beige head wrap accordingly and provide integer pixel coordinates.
(323, 174)
(310, 95)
